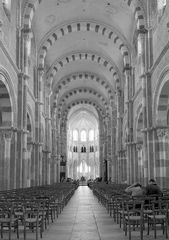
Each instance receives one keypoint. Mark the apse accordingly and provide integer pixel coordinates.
(83, 143)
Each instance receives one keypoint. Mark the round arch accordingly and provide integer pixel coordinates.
(6, 79)
(161, 98)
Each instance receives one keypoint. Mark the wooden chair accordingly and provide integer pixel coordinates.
(134, 217)
(8, 220)
(159, 216)
(33, 221)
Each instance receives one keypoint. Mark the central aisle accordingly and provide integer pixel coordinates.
(84, 219)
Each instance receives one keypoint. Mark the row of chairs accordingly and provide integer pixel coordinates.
(32, 209)
(143, 213)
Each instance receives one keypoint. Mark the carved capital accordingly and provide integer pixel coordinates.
(162, 133)
(6, 134)
(139, 146)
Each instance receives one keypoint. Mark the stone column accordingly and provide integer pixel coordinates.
(124, 164)
(33, 166)
(26, 41)
(101, 150)
(7, 156)
(48, 128)
(19, 132)
(162, 163)
(139, 163)
(148, 141)
(49, 169)
(13, 159)
(55, 144)
(29, 163)
(39, 127)
(127, 73)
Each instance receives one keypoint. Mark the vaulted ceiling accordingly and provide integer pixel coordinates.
(83, 45)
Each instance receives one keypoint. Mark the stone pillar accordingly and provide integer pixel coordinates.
(127, 73)
(33, 165)
(162, 161)
(5, 159)
(29, 164)
(7, 156)
(19, 132)
(13, 159)
(55, 144)
(49, 163)
(124, 164)
(49, 169)
(39, 127)
(148, 143)
(140, 162)
(26, 43)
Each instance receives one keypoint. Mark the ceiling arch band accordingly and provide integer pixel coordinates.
(83, 75)
(101, 111)
(88, 56)
(82, 90)
(82, 26)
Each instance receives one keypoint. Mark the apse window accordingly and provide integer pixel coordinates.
(161, 4)
(91, 135)
(83, 136)
(75, 135)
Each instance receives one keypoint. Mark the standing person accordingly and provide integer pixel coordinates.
(152, 188)
(135, 190)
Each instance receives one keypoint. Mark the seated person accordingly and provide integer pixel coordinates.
(135, 190)
(152, 188)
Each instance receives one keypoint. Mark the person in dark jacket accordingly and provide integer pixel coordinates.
(152, 188)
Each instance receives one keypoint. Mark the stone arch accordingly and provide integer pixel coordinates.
(81, 90)
(101, 112)
(161, 99)
(81, 26)
(86, 56)
(6, 81)
(86, 75)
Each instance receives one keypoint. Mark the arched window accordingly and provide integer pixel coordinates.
(91, 135)
(161, 4)
(83, 136)
(75, 135)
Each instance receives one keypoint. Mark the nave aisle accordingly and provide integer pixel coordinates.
(84, 219)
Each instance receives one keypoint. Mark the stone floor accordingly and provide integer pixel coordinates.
(85, 219)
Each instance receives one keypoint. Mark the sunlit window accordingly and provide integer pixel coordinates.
(75, 135)
(83, 136)
(91, 135)
(161, 4)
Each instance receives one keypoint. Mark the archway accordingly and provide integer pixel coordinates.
(5, 135)
(83, 143)
(161, 162)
